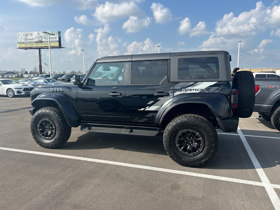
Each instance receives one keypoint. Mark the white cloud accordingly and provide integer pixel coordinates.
(274, 16)
(161, 14)
(41, 3)
(106, 44)
(91, 37)
(276, 32)
(73, 38)
(133, 24)
(199, 29)
(80, 4)
(185, 26)
(109, 45)
(109, 12)
(246, 26)
(141, 47)
(85, 4)
(83, 19)
(261, 46)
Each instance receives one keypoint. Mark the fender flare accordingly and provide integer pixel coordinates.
(64, 105)
(217, 104)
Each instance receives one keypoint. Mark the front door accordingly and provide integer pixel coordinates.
(101, 98)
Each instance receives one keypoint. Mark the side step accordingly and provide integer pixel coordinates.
(121, 129)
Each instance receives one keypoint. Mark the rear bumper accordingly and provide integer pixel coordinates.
(262, 108)
(229, 124)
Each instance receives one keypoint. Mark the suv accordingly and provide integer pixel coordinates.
(184, 96)
(266, 75)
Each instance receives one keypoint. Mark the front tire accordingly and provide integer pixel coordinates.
(275, 119)
(190, 140)
(10, 93)
(49, 128)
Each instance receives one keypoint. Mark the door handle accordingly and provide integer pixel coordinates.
(115, 94)
(161, 94)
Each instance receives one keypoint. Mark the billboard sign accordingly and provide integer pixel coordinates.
(38, 40)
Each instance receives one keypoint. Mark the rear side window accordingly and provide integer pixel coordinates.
(272, 76)
(148, 72)
(198, 68)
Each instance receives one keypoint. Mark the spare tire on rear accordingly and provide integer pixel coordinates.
(244, 82)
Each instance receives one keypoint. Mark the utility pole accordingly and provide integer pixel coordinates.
(50, 61)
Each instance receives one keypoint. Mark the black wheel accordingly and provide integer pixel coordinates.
(244, 82)
(265, 116)
(49, 128)
(275, 118)
(190, 140)
(10, 93)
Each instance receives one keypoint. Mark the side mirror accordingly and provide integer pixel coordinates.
(235, 70)
(91, 82)
(77, 80)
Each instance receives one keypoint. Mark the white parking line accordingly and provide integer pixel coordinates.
(268, 187)
(150, 168)
(255, 136)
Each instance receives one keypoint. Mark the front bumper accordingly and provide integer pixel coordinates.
(23, 91)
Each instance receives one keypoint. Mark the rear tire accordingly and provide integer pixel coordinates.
(49, 128)
(190, 140)
(244, 82)
(275, 119)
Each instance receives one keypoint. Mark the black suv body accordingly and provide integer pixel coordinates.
(186, 96)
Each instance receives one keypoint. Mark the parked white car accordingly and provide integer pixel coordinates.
(12, 88)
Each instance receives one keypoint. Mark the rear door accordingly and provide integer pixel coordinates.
(147, 91)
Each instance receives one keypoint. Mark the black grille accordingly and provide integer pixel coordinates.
(27, 89)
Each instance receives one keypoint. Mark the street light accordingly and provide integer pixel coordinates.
(50, 60)
(83, 60)
(238, 52)
(158, 48)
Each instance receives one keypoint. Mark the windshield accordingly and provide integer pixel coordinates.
(8, 81)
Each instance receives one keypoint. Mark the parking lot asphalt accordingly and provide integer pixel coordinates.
(105, 171)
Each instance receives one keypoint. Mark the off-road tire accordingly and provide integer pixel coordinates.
(195, 136)
(244, 82)
(275, 118)
(10, 93)
(49, 128)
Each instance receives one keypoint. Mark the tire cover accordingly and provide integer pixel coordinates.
(244, 82)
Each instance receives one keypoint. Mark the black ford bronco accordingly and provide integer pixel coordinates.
(183, 96)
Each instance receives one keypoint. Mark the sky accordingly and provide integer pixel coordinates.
(117, 27)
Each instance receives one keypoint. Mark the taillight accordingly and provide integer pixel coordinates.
(257, 88)
(234, 99)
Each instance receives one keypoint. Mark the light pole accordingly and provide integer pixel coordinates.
(50, 60)
(238, 52)
(83, 60)
(158, 48)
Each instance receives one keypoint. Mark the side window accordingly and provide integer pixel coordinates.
(108, 73)
(148, 72)
(198, 68)
(272, 76)
(260, 76)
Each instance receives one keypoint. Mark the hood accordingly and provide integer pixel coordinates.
(19, 85)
